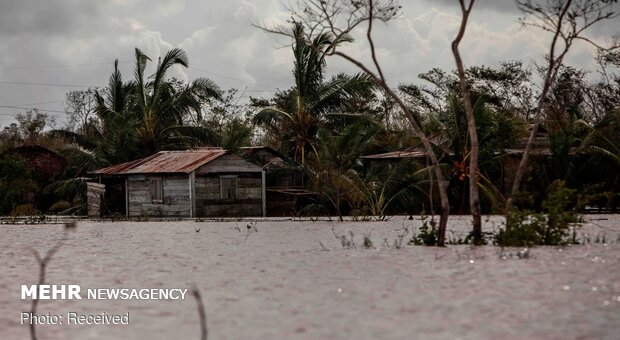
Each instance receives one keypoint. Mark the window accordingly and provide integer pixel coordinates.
(157, 190)
(228, 187)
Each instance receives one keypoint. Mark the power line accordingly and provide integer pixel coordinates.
(270, 91)
(89, 86)
(59, 66)
(44, 84)
(232, 78)
(39, 103)
(27, 108)
(124, 62)
(107, 63)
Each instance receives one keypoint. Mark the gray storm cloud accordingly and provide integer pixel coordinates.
(73, 42)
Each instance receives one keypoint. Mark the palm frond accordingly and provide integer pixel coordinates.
(73, 137)
(141, 60)
(338, 92)
(68, 188)
(235, 135)
(116, 93)
(175, 56)
(269, 117)
(191, 136)
(205, 89)
(85, 160)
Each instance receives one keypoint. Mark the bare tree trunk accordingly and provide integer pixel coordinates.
(552, 69)
(441, 180)
(202, 315)
(445, 208)
(474, 194)
(323, 16)
(442, 184)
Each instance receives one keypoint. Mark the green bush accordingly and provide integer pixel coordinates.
(560, 213)
(551, 227)
(427, 235)
(524, 228)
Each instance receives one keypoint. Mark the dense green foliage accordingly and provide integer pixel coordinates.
(297, 115)
(137, 118)
(549, 227)
(15, 184)
(326, 126)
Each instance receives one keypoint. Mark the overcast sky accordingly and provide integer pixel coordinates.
(64, 45)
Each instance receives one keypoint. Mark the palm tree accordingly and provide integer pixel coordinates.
(142, 116)
(335, 174)
(109, 139)
(138, 118)
(163, 105)
(602, 146)
(303, 110)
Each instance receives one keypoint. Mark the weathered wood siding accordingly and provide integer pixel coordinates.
(176, 197)
(94, 193)
(245, 200)
(248, 200)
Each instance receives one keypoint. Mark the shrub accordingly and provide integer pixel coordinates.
(427, 235)
(24, 210)
(524, 228)
(367, 241)
(551, 227)
(59, 207)
(15, 184)
(560, 213)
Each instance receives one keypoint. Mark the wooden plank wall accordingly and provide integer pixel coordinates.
(178, 200)
(94, 193)
(176, 196)
(248, 202)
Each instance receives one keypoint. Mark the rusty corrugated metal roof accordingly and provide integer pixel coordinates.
(183, 161)
(397, 154)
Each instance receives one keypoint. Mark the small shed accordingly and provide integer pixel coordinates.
(283, 179)
(204, 182)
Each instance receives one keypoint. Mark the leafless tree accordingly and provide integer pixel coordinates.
(474, 195)
(204, 331)
(567, 21)
(43, 262)
(340, 18)
(80, 107)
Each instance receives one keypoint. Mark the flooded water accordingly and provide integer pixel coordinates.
(294, 280)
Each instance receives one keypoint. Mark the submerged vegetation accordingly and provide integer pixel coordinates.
(549, 227)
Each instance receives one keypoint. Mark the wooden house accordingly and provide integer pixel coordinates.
(204, 182)
(283, 180)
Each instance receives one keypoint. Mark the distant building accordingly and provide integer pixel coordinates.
(44, 163)
(204, 182)
(395, 157)
(539, 154)
(509, 158)
(283, 180)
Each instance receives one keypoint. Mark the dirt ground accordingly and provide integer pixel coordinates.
(294, 280)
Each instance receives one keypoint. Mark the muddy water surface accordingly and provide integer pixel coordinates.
(294, 280)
